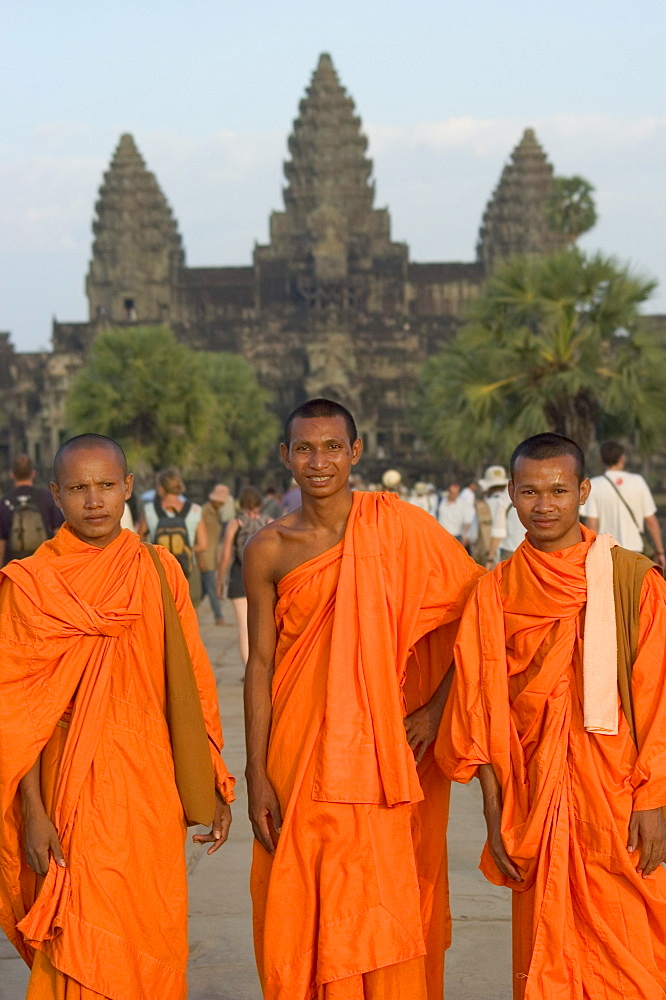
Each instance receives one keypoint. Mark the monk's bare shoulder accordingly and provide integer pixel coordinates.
(263, 554)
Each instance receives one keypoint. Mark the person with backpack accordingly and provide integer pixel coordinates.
(28, 515)
(249, 521)
(171, 520)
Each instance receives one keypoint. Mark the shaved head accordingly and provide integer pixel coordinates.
(87, 442)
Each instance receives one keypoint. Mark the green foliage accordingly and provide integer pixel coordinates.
(167, 405)
(240, 429)
(552, 343)
(570, 209)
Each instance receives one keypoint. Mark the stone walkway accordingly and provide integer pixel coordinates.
(221, 960)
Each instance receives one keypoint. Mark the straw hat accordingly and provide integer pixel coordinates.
(495, 476)
(391, 479)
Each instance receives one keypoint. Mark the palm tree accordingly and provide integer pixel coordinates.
(553, 343)
(570, 209)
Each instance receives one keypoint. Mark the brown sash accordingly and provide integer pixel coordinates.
(629, 569)
(193, 766)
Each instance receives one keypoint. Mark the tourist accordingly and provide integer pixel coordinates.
(28, 515)
(454, 514)
(230, 571)
(291, 499)
(93, 791)
(424, 495)
(621, 505)
(573, 784)
(271, 506)
(208, 558)
(171, 520)
(349, 871)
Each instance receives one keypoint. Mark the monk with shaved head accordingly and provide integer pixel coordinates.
(95, 796)
(559, 707)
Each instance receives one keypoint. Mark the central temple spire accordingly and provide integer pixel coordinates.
(329, 214)
(328, 164)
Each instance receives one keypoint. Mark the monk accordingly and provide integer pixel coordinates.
(572, 765)
(93, 889)
(354, 599)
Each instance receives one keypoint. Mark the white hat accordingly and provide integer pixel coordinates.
(391, 478)
(421, 489)
(495, 476)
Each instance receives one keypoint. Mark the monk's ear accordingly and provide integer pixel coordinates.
(585, 488)
(512, 490)
(129, 485)
(55, 493)
(356, 451)
(284, 455)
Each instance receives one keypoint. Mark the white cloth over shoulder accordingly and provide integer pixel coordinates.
(600, 697)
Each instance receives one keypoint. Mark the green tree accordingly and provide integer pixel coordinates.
(240, 429)
(570, 209)
(553, 343)
(167, 404)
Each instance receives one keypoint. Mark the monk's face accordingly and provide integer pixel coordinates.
(91, 492)
(547, 496)
(320, 455)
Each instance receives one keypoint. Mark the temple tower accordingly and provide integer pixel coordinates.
(137, 251)
(329, 228)
(515, 218)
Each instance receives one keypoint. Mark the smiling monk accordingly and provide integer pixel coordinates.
(93, 889)
(354, 599)
(559, 704)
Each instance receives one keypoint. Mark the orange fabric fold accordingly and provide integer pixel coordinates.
(365, 634)
(586, 924)
(84, 625)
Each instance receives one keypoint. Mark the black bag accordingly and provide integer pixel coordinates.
(172, 533)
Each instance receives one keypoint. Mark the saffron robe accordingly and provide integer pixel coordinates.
(84, 625)
(586, 924)
(358, 881)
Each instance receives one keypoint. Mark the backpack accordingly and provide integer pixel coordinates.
(247, 527)
(172, 533)
(28, 530)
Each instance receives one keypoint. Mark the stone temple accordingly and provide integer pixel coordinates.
(330, 306)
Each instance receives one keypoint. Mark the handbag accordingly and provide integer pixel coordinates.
(648, 546)
(193, 765)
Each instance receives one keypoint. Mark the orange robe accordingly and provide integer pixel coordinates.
(84, 625)
(586, 925)
(356, 893)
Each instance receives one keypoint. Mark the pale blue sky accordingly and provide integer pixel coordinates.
(209, 91)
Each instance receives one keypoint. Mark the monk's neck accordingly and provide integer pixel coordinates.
(572, 537)
(327, 512)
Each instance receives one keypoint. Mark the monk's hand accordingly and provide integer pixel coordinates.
(422, 727)
(41, 841)
(264, 811)
(492, 811)
(499, 855)
(219, 831)
(647, 830)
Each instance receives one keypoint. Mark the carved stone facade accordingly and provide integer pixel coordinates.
(331, 306)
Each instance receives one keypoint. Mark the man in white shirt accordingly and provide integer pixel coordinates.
(620, 504)
(454, 514)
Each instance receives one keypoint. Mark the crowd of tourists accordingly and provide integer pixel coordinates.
(478, 632)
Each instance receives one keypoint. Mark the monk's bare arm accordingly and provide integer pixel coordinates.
(422, 725)
(258, 577)
(40, 835)
(492, 810)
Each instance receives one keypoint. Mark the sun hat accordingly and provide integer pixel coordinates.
(495, 475)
